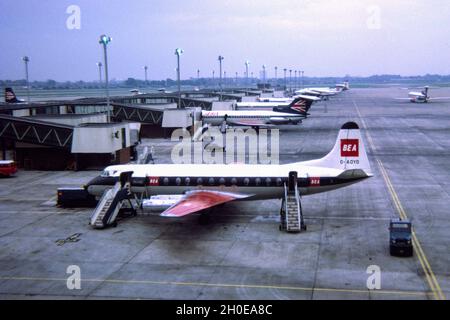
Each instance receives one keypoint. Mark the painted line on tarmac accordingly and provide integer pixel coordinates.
(223, 285)
(429, 274)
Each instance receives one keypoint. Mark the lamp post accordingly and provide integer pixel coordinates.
(178, 53)
(225, 78)
(264, 73)
(290, 80)
(99, 65)
(104, 40)
(145, 70)
(236, 77)
(276, 76)
(247, 64)
(303, 72)
(26, 60)
(220, 58)
(198, 75)
(295, 80)
(285, 80)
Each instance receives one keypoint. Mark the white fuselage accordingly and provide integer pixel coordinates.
(276, 100)
(417, 97)
(259, 181)
(262, 105)
(320, 92)
(257, 116)
(270, 103)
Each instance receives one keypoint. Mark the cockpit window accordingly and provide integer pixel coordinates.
(108, 173)
(105, 173)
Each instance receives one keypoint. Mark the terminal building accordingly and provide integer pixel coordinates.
(76, 134)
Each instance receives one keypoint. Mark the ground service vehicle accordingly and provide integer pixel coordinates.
(400, 243)
(7, 167)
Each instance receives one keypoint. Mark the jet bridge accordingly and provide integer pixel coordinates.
(52, 145)
(36, 131)
(139, 113)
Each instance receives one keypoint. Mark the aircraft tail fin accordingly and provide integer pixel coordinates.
(425, 91)
(10, 96)
(348, 153)
(300, 105)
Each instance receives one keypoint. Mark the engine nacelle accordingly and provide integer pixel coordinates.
(160, 203)
(279, 120)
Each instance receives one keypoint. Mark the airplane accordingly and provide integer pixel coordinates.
(422, 97)
(343, 86)
(135, 92)
(292, 113)
(271, 99)
(163, 90)
(323, 93)
(10, 96)
(192, 188)
(270, 103)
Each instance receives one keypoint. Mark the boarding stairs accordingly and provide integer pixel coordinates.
(112, 201)
(146, 157)
(291, 208)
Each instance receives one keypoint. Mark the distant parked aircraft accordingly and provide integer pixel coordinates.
(10, 96)
(284, 114)
(422, 97)
(324, 92)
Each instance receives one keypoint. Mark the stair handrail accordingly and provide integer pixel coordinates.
(109, 193)
(286, 209)
(297, 199)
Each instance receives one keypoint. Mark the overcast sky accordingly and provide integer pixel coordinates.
(322, 37)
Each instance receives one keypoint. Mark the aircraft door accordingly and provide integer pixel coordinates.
(292, 180)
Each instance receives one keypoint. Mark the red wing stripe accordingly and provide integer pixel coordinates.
(199, 200)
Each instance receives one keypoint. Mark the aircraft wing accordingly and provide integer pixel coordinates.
(194, 201)
(439, 98)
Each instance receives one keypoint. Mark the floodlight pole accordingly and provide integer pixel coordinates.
(26, 60)
(264, 73)
(99, 65)
(220, 71)
(145, 70)
(247, 63)
(276, 76)
(290, 80)
(178, 53)
(104, 40)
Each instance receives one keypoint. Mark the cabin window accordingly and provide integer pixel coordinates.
(178, 181)
(222, 181)
(187, 181)
(166, 181)
(211, 181)
(279, 182)
(246, 181)
(199, 181)
(268, 182)
(258, 181)
(234, 181)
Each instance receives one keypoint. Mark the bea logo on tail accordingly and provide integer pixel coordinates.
(349, 148)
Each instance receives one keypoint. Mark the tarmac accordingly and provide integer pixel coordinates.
(241, 254)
